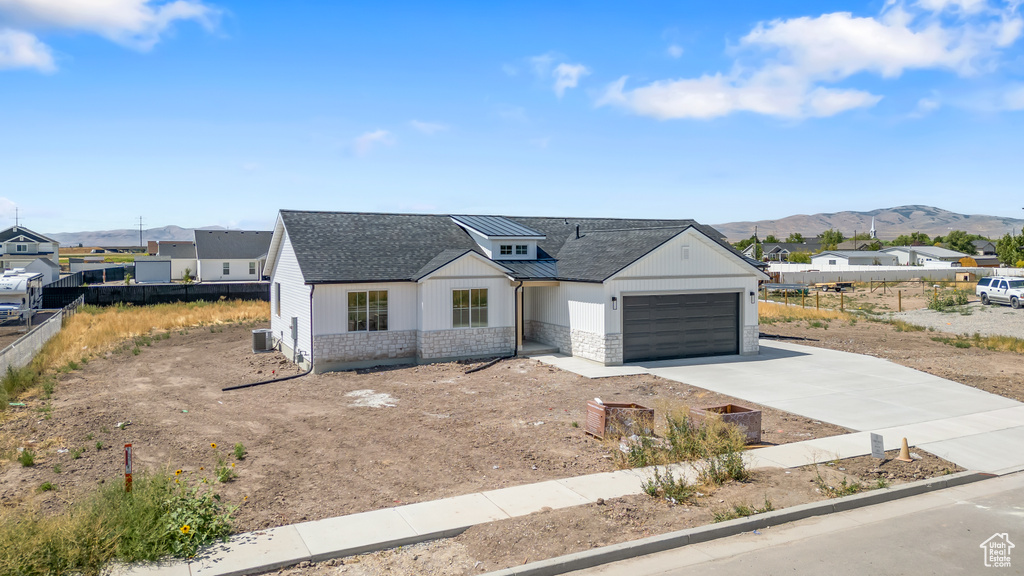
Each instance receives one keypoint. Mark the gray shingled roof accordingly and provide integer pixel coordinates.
(232, 244)
(184, 250)
(370, 247)
(15, 231)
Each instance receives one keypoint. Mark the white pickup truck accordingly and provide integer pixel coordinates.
(1001, 290)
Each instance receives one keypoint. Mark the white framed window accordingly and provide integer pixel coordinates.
(469, 308)
(21, 248)
(368, 311)
(227, 268)
(521, 249)
(505, 250)
(252, 267)
(277, 297)
(832, 262)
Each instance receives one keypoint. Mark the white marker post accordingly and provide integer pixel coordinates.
(127, 467)
(877, 446)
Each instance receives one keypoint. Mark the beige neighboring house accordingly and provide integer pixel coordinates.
(21, 248)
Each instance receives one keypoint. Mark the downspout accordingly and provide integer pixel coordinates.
(515, 337)
(294, 376)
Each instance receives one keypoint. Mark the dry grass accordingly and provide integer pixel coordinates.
(95, 330)
(770, 312)
(1002, 344)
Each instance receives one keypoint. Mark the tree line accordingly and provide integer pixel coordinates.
(1009, 248)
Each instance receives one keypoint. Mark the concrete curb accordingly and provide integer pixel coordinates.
(660, 543)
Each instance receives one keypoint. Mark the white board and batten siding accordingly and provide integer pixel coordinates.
(468, 272)
(330, 302)
(689, 262)
(576, 304)
(294, 300)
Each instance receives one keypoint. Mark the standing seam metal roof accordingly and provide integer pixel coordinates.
(496, 226)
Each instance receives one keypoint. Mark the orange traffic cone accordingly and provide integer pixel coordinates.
(905, 453)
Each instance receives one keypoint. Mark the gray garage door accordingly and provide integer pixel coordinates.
(680, 326)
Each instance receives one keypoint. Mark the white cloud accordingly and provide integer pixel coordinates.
(1013, 99)
(967, 6)
(674, 50)
(428, 127)
(362, 144)
(794, 60)
(568, 76)
(926, 106)
(23, 50)
(137, 24)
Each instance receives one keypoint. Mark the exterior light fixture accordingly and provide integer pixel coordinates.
(753, 297)
(615, 303)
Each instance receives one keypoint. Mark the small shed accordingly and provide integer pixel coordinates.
(966, 277)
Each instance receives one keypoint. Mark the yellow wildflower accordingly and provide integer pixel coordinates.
(213, 445)
(177, 472)
(186, 529)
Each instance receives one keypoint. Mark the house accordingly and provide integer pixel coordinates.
(231, 254)
(780, 251)
(20, 247)
(182, 256)
(853, 258)
(924, 255)
(358, 289)
(984, 247)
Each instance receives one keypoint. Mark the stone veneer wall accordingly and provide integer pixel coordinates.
(749, 345)
(362, 346)
(466, 342)
(605, 349)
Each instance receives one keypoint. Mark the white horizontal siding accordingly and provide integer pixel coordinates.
(330, 303)
(294, 300)
(579, 305)
(212, 270)
(435, 293)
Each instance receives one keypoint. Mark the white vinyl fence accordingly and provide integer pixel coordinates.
(809, 273)
(24, 349)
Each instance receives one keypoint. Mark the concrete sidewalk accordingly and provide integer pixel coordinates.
(956, 422)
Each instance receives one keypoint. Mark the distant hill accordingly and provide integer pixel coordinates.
(126, 237)
(889, 223)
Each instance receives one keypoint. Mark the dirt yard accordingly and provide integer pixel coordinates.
(996, 372)
(324, 445)
(876, 298)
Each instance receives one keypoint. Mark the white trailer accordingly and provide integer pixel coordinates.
(20, 291)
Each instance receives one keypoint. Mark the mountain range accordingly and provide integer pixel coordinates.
(889, 223)
(126, 237)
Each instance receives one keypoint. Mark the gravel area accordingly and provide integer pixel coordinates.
(992, 320)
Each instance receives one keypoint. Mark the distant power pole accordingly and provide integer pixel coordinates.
(140, 233)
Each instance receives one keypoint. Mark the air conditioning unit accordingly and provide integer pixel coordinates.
(262, 340)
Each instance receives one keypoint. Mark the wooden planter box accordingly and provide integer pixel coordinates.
(748, 419)
(627, 418)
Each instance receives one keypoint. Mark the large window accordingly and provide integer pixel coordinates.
(368, 311)
(227, 268)
(469, 308)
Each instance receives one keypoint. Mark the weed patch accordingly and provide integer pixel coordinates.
(742, 511)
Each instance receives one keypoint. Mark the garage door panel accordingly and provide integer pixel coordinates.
(680, 325)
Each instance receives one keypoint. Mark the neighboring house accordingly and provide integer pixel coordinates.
(182, 256)
(357, 289)
(853, 258)
(231, 254)
(924, 255)
(20, 247)
(984, 247)
(780, 251)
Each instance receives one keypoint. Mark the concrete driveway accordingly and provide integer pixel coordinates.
(975, 429)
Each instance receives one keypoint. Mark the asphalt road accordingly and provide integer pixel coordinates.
(936, 533)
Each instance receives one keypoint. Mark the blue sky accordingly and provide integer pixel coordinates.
(198, 113)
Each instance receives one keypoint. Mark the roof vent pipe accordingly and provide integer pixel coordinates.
(577, 231)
